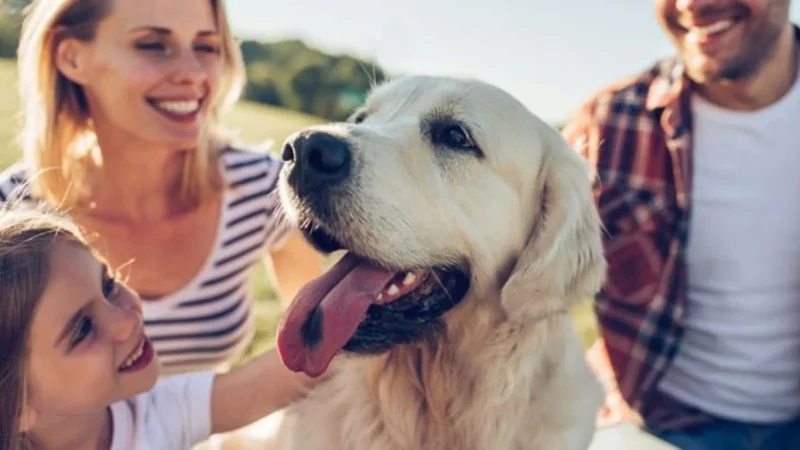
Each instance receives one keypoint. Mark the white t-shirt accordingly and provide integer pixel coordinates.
(174, 415)
(739, 358)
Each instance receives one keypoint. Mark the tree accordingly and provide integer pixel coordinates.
(10, 27)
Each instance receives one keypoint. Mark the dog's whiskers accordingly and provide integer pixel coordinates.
(446, 291)
(372, 77)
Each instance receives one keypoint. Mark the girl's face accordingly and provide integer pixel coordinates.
(87, 345)
(151, 71)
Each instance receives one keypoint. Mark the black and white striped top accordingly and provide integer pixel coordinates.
(208, 323)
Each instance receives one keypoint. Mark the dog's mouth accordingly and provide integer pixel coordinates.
(361, 306)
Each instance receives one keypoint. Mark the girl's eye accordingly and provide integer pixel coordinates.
(82, 331)
(110, 286)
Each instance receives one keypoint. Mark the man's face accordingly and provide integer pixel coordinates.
(723, 39)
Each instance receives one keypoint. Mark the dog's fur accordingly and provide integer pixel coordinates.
(508, 371)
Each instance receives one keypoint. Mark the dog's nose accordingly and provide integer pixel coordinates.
(320, 159)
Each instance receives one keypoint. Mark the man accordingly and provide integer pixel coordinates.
(698, 182)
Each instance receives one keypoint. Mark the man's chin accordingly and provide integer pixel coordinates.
(705, 70)
(721, 66)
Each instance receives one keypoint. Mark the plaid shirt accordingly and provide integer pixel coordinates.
(637, 136)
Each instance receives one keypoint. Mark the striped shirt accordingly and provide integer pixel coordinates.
(207, 324)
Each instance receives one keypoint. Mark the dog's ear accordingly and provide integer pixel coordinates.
(563, 261)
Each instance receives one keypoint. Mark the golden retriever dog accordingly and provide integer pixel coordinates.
(468, 229)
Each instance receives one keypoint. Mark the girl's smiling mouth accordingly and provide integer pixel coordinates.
(140, 358)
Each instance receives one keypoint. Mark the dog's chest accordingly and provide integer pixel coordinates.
(410, 402)
(343, 417)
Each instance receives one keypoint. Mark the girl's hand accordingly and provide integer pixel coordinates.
(615, 410)
(255, 390)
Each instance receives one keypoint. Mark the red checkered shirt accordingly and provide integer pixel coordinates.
(637, 136)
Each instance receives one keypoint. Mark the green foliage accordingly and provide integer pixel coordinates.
(14, 5)
(9, 29)
(293, 75)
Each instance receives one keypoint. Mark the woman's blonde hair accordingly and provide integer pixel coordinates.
(26, 240)
(56, 123)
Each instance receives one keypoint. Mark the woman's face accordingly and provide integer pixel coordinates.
(151, 71)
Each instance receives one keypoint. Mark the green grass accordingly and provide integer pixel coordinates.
(255, 123)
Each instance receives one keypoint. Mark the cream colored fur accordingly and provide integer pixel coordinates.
(509, 372)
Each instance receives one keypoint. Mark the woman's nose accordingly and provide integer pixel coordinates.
(189, 69)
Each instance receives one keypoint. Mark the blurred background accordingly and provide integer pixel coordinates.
(310, 61)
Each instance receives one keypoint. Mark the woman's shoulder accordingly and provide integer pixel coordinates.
(14, 182)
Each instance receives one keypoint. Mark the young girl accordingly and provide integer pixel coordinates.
(77, 370)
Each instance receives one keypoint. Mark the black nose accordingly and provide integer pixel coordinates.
(320, 159)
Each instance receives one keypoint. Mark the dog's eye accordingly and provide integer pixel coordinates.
(358, 116)
(453, 135)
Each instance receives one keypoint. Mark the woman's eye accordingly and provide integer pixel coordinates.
(82, 331)
(207, 48)
(151, 46)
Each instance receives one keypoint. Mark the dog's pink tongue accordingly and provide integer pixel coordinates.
(326, 312)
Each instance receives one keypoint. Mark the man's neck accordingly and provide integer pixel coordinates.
(85, 432)
(763, 88)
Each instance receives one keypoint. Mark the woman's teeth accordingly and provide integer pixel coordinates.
(178, 107)
(135, 356)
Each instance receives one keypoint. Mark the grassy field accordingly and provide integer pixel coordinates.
(255, 123)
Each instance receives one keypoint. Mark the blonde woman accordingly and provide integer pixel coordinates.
(120, 104)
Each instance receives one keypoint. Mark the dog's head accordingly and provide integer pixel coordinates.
(438, 188)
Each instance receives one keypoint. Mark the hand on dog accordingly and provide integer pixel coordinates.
(616, 410)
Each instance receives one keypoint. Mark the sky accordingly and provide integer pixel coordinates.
(551, 54)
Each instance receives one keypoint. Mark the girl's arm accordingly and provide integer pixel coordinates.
(254, 390)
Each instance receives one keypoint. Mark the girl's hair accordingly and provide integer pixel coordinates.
(26, 238)
(56, 124)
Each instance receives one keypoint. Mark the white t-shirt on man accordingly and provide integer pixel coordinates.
(174, 415)
(739, 358)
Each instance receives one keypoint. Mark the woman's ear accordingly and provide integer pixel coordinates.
(70, 59)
